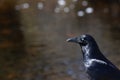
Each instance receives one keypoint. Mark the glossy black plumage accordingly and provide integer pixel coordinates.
(97, 65)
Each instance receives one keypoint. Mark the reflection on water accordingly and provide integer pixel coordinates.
(40, 5)
(89, 10)
(33, 37)
(80, 13)
(62, 2)
(84, 3)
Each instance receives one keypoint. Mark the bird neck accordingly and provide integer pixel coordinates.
(92, 52)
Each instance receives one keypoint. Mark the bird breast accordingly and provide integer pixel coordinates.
(89, 62)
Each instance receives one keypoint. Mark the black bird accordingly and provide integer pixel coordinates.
(98, 67)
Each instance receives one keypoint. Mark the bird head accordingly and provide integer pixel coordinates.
(83, 40)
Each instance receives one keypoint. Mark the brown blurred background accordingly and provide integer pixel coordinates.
(33, 37)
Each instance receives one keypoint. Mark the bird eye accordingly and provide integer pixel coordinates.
(83, 41)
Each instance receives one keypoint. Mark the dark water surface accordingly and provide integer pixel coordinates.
(33, 37)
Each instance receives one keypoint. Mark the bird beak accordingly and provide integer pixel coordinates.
(72, 40)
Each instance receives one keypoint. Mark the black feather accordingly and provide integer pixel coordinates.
(97, 65)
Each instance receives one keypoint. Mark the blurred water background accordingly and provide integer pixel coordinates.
(33, 37)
